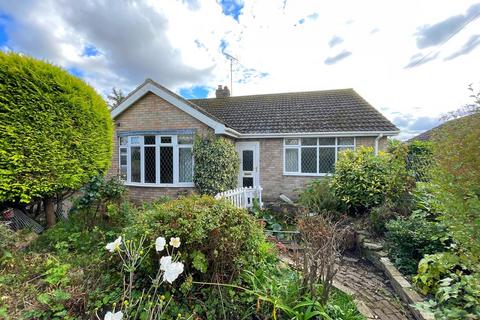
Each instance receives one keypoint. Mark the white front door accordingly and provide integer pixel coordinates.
(249, 153)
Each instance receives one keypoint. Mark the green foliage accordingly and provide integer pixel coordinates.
(100, 190)
(420, 159)
(363, 180)
(216, 164)
(424, 198)
(434, 267)
(409, 239)
(56, 273)
(319, 197)
(97, 196)
(56, 130)
(457, 297)
(280, 295)
(456, 152)
(53, 306)
(227, 237)
(68, 274)
(379, 216)
(199, 262)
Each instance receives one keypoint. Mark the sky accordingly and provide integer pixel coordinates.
(412, 60)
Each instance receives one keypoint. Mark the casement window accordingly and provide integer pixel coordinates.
(156, 160)
(313, 156)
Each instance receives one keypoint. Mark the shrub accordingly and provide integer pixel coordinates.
(216, 164)
(363, 180)
(456, 151)
(218, 237)
(420, 159)
(97, 195)
(323, 241)
(379, 216)
(424, 198)
(409, 239)
(56, 130)
(455, 289)
(319, 197)
(435, 267)
(458, 297)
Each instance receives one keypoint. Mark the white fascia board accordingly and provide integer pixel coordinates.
(319, 134)
(182, 105)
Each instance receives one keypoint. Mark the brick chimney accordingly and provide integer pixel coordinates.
(222, 93)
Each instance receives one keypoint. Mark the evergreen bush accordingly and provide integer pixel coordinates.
(218, 239)
(216, 164)
(56, 130)
(364, 180)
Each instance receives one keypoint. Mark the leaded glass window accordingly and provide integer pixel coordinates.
(156, 160)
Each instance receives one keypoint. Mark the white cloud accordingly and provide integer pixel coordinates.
(178, 44)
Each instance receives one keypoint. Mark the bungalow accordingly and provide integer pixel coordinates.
(283, 140)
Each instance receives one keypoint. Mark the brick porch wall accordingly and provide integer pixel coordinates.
(272, 179)
(153, 113)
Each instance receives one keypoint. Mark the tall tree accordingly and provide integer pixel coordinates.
(115, 98)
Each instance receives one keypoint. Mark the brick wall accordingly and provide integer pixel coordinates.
(272, 179)
(153, 113)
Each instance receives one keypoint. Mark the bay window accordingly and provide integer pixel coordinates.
(313, 156)
(156, 160)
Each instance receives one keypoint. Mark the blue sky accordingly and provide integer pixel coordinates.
(4, 21)
(413, 70)
(232, 8)
(194, 92)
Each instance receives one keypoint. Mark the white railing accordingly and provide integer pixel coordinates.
(242, 197)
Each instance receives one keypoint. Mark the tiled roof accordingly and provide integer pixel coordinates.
(315, 111)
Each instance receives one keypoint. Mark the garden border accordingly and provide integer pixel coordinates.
(373, 252)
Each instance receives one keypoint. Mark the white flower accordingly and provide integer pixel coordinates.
(175, 242)
(160, 244)
(172, 271)
(165, 262)
(114, 246)
(114, 316)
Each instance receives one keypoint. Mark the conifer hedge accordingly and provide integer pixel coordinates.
(55, 130)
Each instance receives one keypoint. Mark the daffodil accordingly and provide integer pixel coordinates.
(160, 243)
(115, 245)
(175, 242)
(113, 316)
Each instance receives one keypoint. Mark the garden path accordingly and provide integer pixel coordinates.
(370, 288)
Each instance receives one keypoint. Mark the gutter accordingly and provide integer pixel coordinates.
(376, 142)
(232, 133)
(318, 134)
(235, 134)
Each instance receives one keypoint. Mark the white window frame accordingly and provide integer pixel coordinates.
(157, 145)
(299, 146)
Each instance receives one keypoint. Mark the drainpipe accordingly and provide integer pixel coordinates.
(376, 142)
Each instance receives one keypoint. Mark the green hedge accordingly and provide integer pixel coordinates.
(216, 164)
(364, 180)
(56, 130)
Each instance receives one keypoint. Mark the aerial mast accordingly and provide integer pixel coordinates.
(231, 70)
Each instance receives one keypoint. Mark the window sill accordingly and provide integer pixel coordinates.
(162, 185)
(297, 174)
